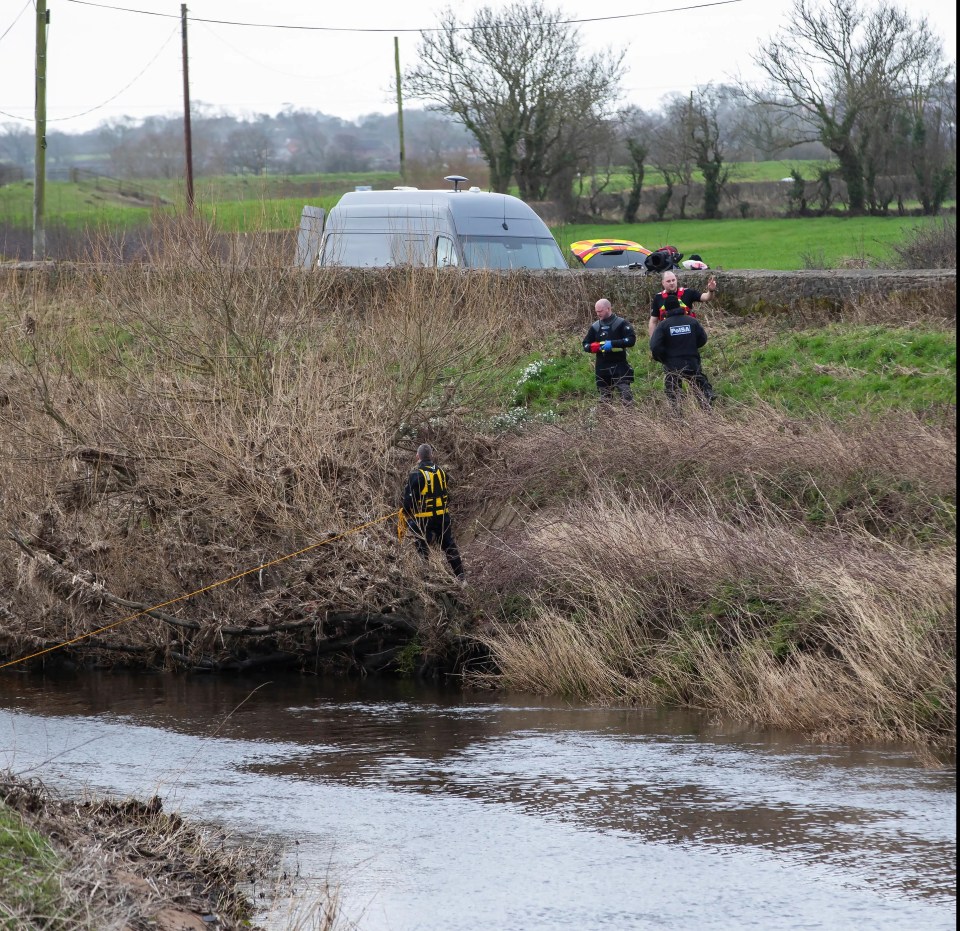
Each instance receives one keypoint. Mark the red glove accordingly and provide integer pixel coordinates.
(594, 347)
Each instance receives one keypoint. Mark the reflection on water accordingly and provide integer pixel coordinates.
(443, 809)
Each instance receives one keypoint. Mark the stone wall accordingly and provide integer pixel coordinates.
(754, 291)
(558, 294)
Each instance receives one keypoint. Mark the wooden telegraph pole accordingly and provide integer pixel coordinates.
(187, 140)
(40, 134)
(403, 154)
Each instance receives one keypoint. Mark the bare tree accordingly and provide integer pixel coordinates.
(346, 153)
(594, 175)
(932, 119)
(672, 154)
(520, 82)
(636, 131)
(16, 144)
(838, 64)
(250, 148)
(307, 141)
(153, 149)
(707, 146)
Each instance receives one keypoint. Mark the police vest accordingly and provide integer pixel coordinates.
(679, 295)
(431, 500)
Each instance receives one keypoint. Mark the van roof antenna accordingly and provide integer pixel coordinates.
(504, 224)
(456, 180)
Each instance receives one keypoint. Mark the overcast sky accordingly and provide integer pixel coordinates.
(123, 57)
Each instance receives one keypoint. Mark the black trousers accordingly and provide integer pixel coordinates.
(618, 378)
(436, 531)
(673, 386)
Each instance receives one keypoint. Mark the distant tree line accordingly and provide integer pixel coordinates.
(292, 142)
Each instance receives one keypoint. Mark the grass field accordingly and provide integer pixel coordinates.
(782, 243)
(79, 207)
(741, 171)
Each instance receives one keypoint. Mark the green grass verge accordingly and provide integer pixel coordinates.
(28, 884)
(841, 370)
(838, 370)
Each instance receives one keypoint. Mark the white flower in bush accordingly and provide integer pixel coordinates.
(532, 370)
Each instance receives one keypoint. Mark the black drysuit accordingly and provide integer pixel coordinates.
(612, 369)
(676, 344)
(427, 506)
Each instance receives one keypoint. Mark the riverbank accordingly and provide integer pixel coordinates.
(788, 561)
(94, 864)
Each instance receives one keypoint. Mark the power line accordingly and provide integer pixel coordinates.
(559, 22)
(291, 74)
(99, 106)
(16, 19)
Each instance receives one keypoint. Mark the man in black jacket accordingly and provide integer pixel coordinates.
(676, 343)
(686, 296)
(609, 337)
(426, 509)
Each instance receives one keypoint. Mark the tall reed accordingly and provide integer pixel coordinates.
(790, 573)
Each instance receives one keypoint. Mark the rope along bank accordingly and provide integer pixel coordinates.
(199, 591)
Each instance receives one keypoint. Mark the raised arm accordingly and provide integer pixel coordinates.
(711, 291)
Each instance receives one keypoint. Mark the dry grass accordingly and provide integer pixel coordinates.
(791, 574)
(170, 424)
(208, 416)
(930, 246)
(823, 634)
(863, 475)
(106, 865)
(124, 866)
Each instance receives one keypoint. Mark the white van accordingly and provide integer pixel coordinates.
(407, 226)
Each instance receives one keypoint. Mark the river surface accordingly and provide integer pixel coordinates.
(439, 810)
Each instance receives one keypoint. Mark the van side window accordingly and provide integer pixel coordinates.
(375, 250)
(446, 252)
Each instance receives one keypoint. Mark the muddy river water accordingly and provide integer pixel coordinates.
(461, 811)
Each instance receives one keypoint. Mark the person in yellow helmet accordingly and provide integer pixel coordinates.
(426, 509)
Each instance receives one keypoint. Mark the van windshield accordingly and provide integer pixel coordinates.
(375, 250)
(512, 252)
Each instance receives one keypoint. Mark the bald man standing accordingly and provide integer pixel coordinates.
(609, 338)
(686, 296)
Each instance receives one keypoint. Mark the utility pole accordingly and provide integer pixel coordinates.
(187, 140)
(403, 154)
(40, 134)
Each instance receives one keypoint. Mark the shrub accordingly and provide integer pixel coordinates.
(931, 246)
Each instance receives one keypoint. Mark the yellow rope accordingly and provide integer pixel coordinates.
(199, 591)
